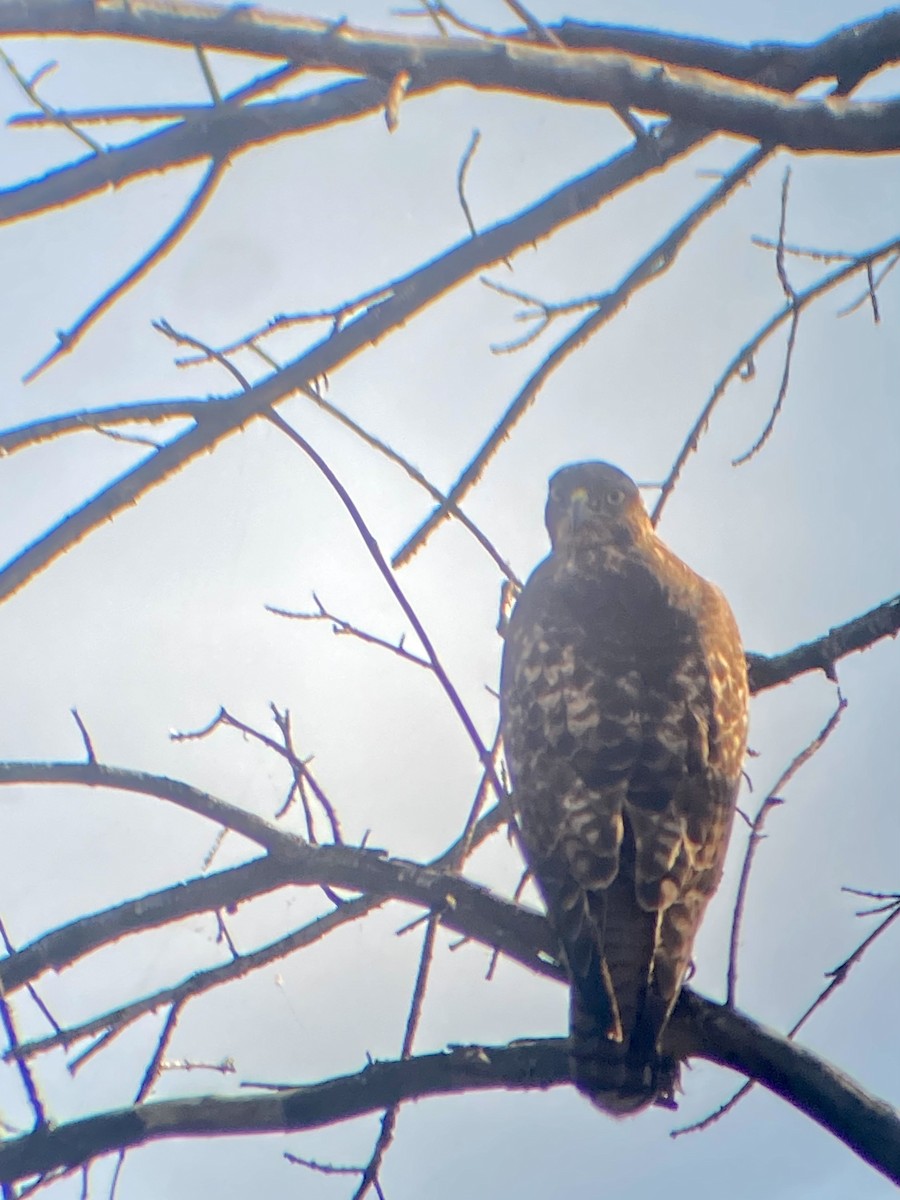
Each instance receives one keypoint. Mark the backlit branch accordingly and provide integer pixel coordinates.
(404, 297)
(746, 354)
(693, 94)
(863, 1122)
(656, 261)
(825, 652)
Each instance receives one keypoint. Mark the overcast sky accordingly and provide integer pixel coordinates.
(157, 619)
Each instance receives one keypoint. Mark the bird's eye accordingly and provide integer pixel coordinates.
(615, 497)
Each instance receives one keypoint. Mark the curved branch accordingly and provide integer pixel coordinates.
(58, 949)
(700, 1028)
(866, 1124)
(694, 95)
(465, 907)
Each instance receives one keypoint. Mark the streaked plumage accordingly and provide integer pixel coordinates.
(624, 716)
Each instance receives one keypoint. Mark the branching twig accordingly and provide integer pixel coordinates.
(654, 263)
(838, 976)
(29, 87)
(341, 627)
(746, 353)
(484, 755)
(791, 297)
(389, 1120)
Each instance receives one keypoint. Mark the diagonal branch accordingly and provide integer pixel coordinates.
(656, 261)
(823, 653)
(222, 131)
(403, 298)
(695, 95)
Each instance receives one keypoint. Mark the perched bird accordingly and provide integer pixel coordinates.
(624, 717)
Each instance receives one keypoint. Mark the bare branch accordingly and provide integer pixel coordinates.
(68, 339)
(403, 298)
(825, 652)
(29, 87)
(772, 800)
(456, 702)
(654, 263)
(465, 163)
(749, 350)
(341, 627)
(695, 95)
(866, 1124)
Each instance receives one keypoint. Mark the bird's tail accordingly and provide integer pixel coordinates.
(620, 1077)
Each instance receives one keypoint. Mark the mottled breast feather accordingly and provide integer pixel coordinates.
(624, 718)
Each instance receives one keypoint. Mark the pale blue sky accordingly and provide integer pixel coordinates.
(158, 619)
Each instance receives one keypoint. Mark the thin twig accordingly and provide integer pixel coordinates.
(654, 263)
(772, 800)
(162, 1044)
(298, 765)
(7, 1017)
(389, 1120)
(874, 281)
(85, 736)
(748, 351)
(185, 339)
(341, 627)
(791, 297)
(381, 563)
(838, 975)
(68, 339)
(208, 77)
(50, 114)
(32, 991)
(465, 163)
(780, 398)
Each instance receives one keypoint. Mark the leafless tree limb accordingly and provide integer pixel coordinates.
(695, 95)
(825, 652)
(404, 297)
(755, 836)
(867, 1125)
(746, 353)
(654, 263)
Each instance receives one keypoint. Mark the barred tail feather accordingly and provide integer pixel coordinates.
(620, 1078)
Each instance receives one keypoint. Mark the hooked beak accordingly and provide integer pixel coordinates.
(578, 508)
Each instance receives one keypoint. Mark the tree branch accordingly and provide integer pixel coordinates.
(700, 1028)
(403, 298)
(824, 653)
(697, 96)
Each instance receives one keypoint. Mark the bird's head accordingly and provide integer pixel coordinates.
(592, 504)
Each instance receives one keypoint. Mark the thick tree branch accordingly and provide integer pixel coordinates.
(824, 653)
(220, 131)
(697, 96)
(847, 55)
(464, 906)
(700, 1028)
(398, 301)
(867, 1125)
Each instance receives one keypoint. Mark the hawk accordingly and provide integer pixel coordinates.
(624, 716)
